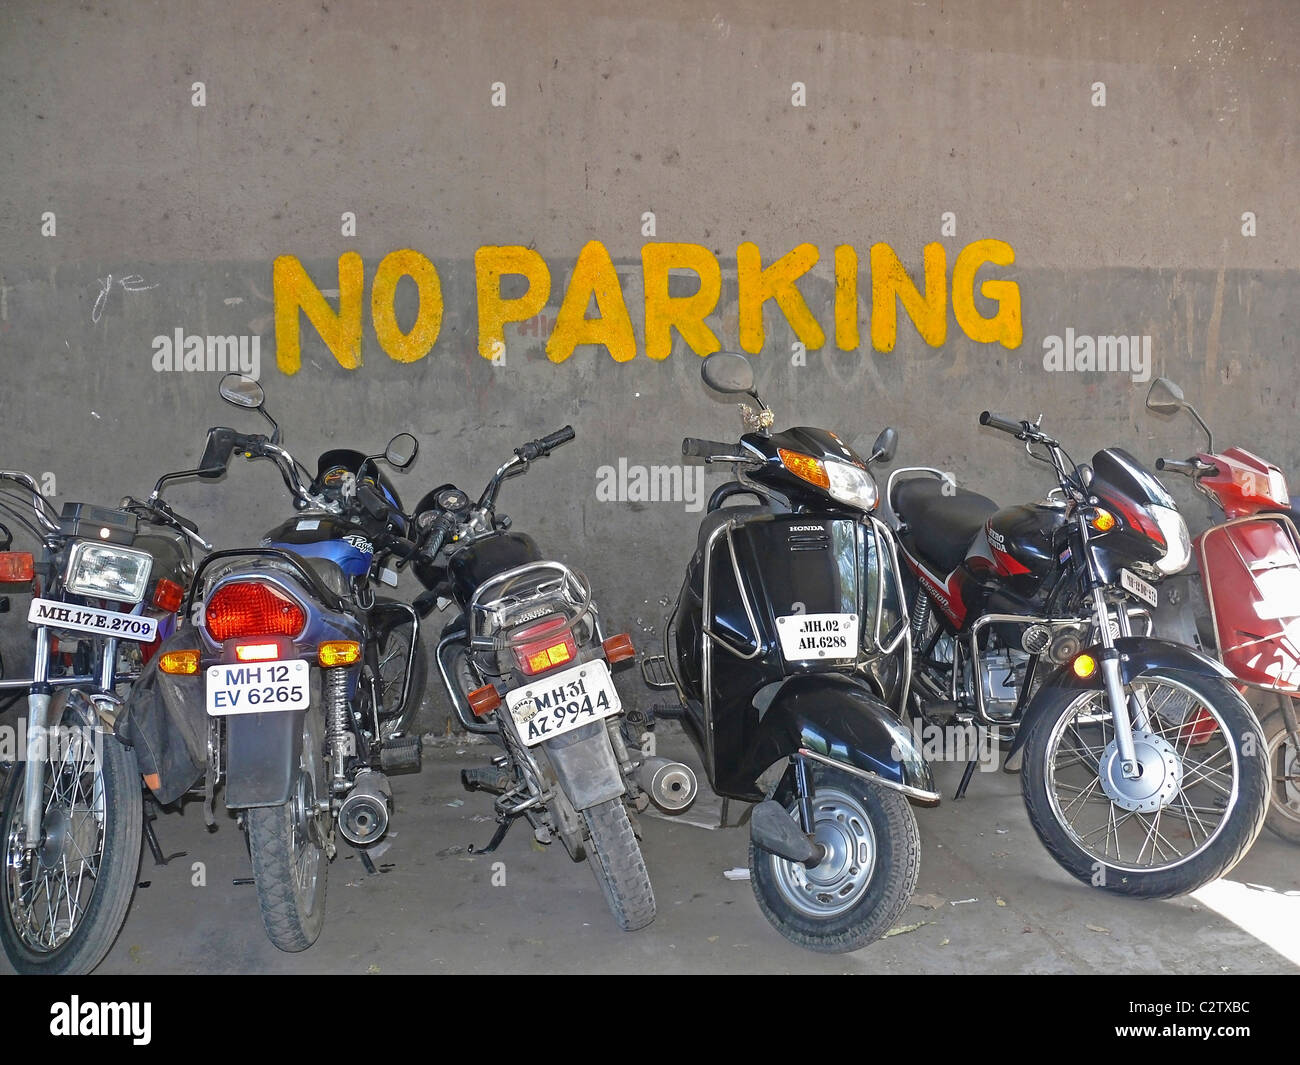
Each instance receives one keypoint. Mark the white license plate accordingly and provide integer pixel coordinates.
(809, 637)
(91, 619)
(257, 687)
(1135, 584)
(557, 703)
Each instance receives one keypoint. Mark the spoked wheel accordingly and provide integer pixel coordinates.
(287, 846)
(394, 646)
(64, 903)
(1194, 810)
(866, 878)
(1284, 763)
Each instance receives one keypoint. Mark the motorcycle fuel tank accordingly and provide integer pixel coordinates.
(321, 536)
(1025, 543)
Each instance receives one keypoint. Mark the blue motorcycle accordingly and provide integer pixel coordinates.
(305, 724)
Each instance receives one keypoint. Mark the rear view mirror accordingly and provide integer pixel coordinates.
(401, 450)
(728, 371)
(1165, 397)
(886, 445)
(242, 391)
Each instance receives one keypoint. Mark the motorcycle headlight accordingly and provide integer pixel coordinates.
(852, 485)
(108, 572)
(1179, 543)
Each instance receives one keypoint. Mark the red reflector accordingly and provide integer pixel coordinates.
(619, 648)
(544, 646)
(252, 609)
(168, 595)
(257, 652)
(17, 567)
(484, 700)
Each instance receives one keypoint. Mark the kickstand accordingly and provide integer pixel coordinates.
(366, 860)
(151, 837)
(965, 779)
(503, 827)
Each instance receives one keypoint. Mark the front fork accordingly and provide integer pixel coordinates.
(1110, 675)
(39, 700)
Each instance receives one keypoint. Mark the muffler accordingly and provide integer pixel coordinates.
(671, 785)
(363, 817)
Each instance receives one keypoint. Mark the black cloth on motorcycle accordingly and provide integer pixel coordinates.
(166, 722)
(942, 524)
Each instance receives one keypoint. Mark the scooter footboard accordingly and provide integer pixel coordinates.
(833, 719)
(262, 755)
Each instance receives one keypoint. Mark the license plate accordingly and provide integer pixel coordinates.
(257, 687)
(91, 619)
(557, 703)
(1135, 584)
(809, 637)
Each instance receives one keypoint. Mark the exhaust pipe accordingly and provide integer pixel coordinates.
(363, 817)
(671, 785)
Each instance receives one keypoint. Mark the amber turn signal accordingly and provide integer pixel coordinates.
(1085, 666)
(179, 663)
(17, 567)
(338, 653)
(484, 700)
(805, 467)
(1102, 520)
(619, 648)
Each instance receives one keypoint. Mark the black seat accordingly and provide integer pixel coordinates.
(942, 524)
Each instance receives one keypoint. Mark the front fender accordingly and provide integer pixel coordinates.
(834, 719)
(1138, 655)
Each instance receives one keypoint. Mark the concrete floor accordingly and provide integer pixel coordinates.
(434, 907)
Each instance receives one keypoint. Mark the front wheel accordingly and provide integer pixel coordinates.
(1283, 818)
(287, 846)
(615, 858)
(1194, 810)
(63, 904)
(865, 879)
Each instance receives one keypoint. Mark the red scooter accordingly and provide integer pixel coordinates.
(1246, 611)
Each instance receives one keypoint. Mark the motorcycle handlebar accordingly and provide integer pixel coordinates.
(1006, 425)
(696, 448)
(536, 449)
(372, 502)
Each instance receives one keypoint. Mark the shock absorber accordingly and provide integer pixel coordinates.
(920, 615)
(334, 686)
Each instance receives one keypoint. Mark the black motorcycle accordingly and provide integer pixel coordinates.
(786, 642)
(525, 661)
(1142, 772)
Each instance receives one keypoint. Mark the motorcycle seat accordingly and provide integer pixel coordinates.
(941, 524)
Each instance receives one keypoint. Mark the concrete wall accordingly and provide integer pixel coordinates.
(1125, 219)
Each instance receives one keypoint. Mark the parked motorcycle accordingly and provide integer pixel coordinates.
(1242, 602)
(1137, 755)
(105, 588)
(787, 638)
(525, 660)
(288, 637)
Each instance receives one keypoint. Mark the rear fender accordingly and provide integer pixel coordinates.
(585, 765)
(262, 755)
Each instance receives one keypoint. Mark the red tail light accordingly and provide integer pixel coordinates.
(252, 609)
(167, 595)
(544, 646)
(17, 567)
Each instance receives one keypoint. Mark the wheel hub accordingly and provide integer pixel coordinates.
(835, 883)
(1160, 774)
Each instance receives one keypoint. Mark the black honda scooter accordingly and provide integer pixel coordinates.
(787, 639)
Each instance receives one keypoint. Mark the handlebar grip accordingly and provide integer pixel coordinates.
(555, 439)
(1006, 425)
(696, 448)
(1188, 468)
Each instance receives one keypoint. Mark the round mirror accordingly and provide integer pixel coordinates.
(727, 371)
(1165, 397)
(401, 450)
(886, 445)
(242, 391)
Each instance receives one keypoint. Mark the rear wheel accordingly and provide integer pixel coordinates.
(615, 857)
(1190, 815)
(862, 884)
(287, 846)
(63, 904)
(1284, 762)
